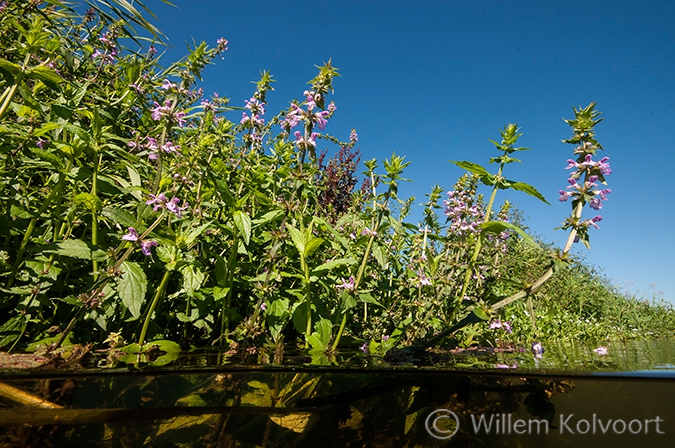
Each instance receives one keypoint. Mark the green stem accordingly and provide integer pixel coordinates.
(8, 94)
(29, 232)
(155, 300)
(231, 262)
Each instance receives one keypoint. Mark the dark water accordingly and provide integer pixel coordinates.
(569, 397)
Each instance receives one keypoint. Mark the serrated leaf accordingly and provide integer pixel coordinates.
(10, 66)
(73, 249)
(243, 223)
(529, 189)
(132, 287)
(45, 74)
(471, 167)
(90, 201)
(319, 270)
(192, 278)
(119, 216)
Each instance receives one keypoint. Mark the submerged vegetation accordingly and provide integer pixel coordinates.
(134, 210)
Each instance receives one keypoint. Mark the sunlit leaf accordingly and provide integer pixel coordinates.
(132, 286)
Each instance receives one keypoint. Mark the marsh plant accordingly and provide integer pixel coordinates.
(137, 209)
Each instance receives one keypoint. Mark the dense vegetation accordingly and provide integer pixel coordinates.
(134, 209)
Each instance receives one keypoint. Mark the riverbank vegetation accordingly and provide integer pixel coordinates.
(135, 209)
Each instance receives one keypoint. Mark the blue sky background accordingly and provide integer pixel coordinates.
(433, 80)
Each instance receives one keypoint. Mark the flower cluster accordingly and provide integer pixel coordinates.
(151, 145)
(309, 117)
(499, 325)
(464, 215)
(221, 46)
(161, 201)
(583, 185)
(109, 52)
(146, 245)
(159, 112)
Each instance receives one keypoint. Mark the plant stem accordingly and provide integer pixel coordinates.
(155, 300)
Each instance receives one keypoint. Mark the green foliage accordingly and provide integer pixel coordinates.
(130, 205)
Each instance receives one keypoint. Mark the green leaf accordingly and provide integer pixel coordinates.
(500, 226)
(45, 128)
(10, 66)
(278, 315)
(73, 249)
(119, 216)
(367, 298)
(529, 189)
(192, 278)
(313, 245)
(45, 74)
(472, 167)
(297, 238)
(243, 223)
(47, 156)
(380, 255)
(267, 217)
(132, 287)
(90, 201)
(321, 269)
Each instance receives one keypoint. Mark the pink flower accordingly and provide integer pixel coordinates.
(346, 285)
(131, 236)
(156, 201)
(146, 246)
(172, 206)
(602, 351)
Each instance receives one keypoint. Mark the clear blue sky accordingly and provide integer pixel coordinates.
(433, 80)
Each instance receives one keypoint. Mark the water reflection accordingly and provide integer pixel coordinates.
(621, 399)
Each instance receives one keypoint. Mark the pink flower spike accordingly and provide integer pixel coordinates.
(131, 236)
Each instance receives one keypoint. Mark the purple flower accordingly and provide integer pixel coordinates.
(537, 349)
(353, 136)
(160, 111)
(364, 348)
(263, 306)
(146, 246)
(346, 285)
(506, 366)
(132, 235)
(168, 85)
(221, 46)
(152, 51)
(310, 97)
(170, 147)
(602, 351)
(596, 203)
(320, 118)
(157, 201)
(592, 222)
(423, 280)
(497, 324)
(172, 206)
